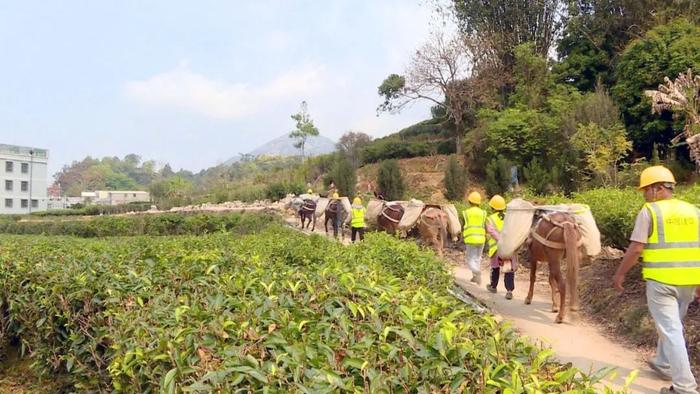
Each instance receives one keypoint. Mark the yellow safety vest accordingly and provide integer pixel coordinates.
(497, 222)
(474, 220)
(358, 218)
(672, 252)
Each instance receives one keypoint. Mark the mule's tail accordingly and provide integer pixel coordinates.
(571, 236)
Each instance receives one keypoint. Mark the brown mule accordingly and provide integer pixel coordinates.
(307, 212)
(390, 217)
(432, 228)
(555, 236)
(331, 214)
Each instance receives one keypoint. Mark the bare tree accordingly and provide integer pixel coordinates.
(681, 96)
(437, 73)
(351, 144)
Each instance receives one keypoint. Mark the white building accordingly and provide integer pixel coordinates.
(115, 197)
(23, 179)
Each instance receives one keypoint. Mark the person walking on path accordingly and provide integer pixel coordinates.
(357, 220)
(474, 235)
(339, 217)
(494, 226)
(666, 235)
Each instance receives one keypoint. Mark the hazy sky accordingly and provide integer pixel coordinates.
(194, 83)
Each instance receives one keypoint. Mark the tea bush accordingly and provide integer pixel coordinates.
(275, 312)
(155, 224)
(94, 210)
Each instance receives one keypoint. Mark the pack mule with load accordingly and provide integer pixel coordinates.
(552, 233)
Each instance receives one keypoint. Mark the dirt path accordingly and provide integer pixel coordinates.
(576, 341)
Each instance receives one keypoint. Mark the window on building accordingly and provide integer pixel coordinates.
(8, 203)
(9, 166)
(24, 203)
(24, 186)
(8, 186)
(25, 168)
(35, 203)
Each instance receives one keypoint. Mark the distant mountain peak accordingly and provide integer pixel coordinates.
(284, 146)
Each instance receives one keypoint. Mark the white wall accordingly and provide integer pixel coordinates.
(39, 184)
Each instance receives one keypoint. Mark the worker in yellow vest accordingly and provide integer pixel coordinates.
(474, 235)
(494, 226)
(357, 221)
(666, 235)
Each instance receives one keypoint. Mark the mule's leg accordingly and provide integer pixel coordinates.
(555, 270)
(533, 275)
(313, 217)
(573, 287)
(555, 292)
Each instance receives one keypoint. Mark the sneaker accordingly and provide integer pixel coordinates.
(663, 375)
(667, 390)
(477, 280)
(509, 295)
(490, 288)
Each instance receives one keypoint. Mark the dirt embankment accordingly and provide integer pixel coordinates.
(423, 176)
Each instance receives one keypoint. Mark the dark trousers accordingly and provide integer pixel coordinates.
(357, 230)
(508, 278)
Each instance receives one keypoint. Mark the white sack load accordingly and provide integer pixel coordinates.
(412, 211)
(590, 235)
(454, 227)
(374, 209)
(321, 206)
(516, 227)
(347, 208)
(518, 221)
(296, 204)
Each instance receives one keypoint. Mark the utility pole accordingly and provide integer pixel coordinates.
(31, 167)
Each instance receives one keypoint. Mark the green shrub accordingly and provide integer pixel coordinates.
(538, 177)
(277, 312)
(455, 181)
(279, 190)
(94, 210)
(497, 176)
(155, 224)
(344, 176)
(387, 149)
(390, 181)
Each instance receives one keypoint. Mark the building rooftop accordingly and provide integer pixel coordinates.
(24, 151)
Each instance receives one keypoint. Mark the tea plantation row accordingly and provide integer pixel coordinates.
(145, 224)
(273, 312)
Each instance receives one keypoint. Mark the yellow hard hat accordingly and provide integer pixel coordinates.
(357, 201)
(474, 198)
(309, 191)
(655, 174)
(498, 203)
(335, 196)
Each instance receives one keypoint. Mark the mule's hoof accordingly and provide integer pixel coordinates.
(559, 320)
(555, 309)
(575, 308)
(528, 301)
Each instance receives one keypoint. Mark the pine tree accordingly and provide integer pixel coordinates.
(455, 181)
(390, 181)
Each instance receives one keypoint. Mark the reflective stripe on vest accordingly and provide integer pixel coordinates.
(474, 232)
(358, 218)
(497, 223)
(672, 252)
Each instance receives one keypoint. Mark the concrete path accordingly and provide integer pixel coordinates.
(576, 340)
